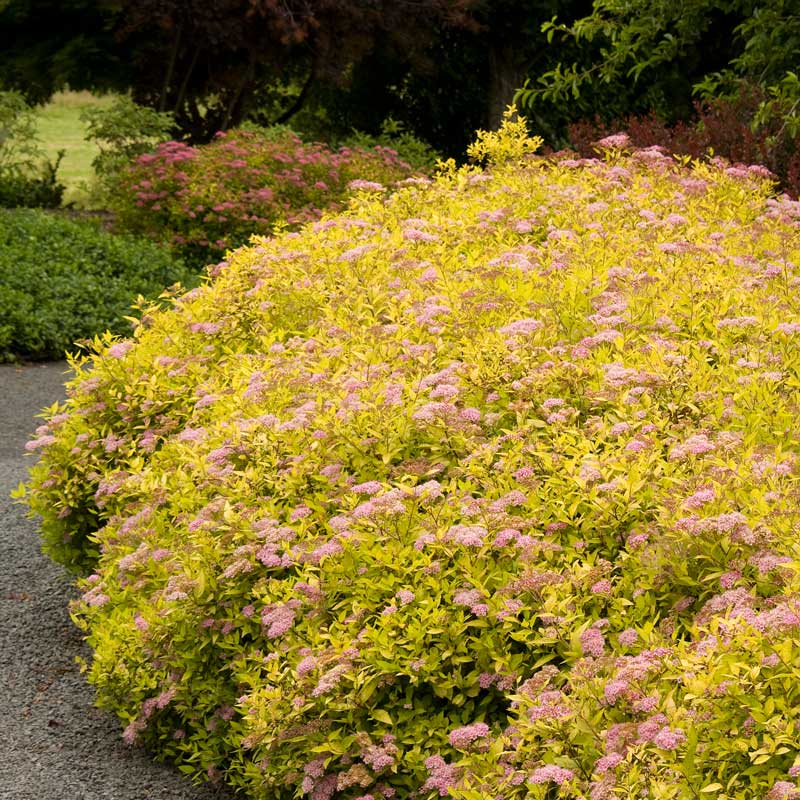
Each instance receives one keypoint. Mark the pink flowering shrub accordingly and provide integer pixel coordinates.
(213, 197)
(722, 127)
(487, 488)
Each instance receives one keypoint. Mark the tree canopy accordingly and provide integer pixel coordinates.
(204, 60)
(681, 48)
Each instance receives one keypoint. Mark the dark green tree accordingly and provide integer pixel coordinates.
(675, 50)
(48, 44)
(462, 77)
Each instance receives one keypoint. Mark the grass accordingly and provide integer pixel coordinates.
(60, 128)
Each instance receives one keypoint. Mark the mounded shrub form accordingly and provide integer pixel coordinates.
(213, 197)
(64, 280)
(487, 488)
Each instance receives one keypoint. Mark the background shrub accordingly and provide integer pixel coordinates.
(394, 135)
(122, 131)
(18, 147)
(486, 488)
(27, 177)
(209, 198)
(722, 127)
(31, 190)
(64, 280)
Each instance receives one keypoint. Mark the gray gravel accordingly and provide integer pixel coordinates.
(54, 745)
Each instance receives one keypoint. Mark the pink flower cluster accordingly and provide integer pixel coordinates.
(213, 197)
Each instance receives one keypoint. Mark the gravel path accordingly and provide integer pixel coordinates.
(54, 745)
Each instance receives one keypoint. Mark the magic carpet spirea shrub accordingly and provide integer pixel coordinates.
(212, 197)
(486, 489)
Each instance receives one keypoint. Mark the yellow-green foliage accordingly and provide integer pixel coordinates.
(487, 488)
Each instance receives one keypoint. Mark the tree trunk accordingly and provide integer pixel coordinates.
(300, 99)
(162, 101)
(247, 78)
(506, 75)
(185, 82)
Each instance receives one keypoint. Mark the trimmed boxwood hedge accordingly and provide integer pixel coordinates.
(63, 280)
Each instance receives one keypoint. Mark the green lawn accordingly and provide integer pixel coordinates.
(60, 128)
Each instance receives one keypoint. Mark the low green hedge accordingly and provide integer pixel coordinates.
(31, 191)
(63, 280)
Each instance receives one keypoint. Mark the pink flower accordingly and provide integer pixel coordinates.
(703, 495)
(551, 774)
(636, 446)
(668, 739)
(589, 473)
(616, 141)
(738, 323)
(365, 186)
(42, 441)
(592, 642)
(329, 680)
(355, 253)
(486, 679)
(548, 705)
(119, 349)
(368, 488)
(613, 690)
(205, 327)
(415, 235)
(470, 414)
(695, 445)
(131, 732)
(277, 620)
(783, 790)
(628, 637)
(329, 548)
(604, 764)
(379, 758)
(468, 535)
(463, 738)
(522, 327)
(405, 597)
(646, 705)
(306, 665)
(442, 776)
(467, 597)
(424, 539)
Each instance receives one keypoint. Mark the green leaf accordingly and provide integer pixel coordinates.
(382, 716)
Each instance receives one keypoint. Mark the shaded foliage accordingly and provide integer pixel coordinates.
(672, 51)
(204, 60)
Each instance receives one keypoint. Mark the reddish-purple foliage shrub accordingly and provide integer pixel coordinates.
(722, 128)
(213, 197)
